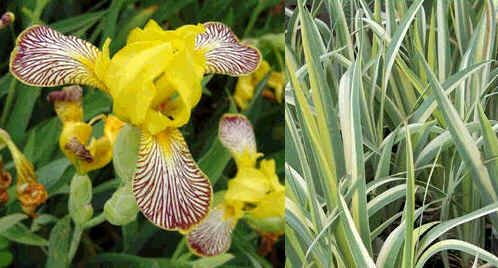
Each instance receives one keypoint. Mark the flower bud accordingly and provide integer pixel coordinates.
(80, 197)
(121, 208)
(6, 19)
(275, 225)
(82, 214)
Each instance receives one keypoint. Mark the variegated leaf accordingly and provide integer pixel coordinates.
(46, 58)
(171, 191)
(224, 53)
(213, 236)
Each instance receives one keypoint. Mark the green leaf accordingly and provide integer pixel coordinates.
(10, 220)
(59, 244)
(213, 262)
(6, 258)
(51, 174)
(38, 148)
(490, 145)
(358, 250)
(409, 211)
(111, 21)
(136, 261)
(214, 161)
(397, 39)
(4, 243)
(464, 142)
(22, 111)
(444, 227)
(138, 20)
(350, 88)
(73, 24)
(453, 244)
(95, 102)
(20, 234)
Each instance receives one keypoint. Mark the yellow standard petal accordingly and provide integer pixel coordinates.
(271, 205)
(249, 185)
(155, 80)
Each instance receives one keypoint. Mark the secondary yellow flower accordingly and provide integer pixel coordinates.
(272, 203)
(246, 85)
(255, 193)
(76, 142)
(30, 193)
(155, 82)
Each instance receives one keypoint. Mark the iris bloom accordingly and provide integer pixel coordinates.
(254, 193)
(76, 142)
(245, 87)
(155, 82)
(30, 193)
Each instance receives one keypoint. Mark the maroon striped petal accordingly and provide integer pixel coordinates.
(236, 134)
(224, 53)
(213, 236)
(171, 190)
(46, 58)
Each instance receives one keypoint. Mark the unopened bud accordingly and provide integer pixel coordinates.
(121, 208)
(6, 19)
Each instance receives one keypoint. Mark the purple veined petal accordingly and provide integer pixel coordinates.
(46, 58)
(171, 191)
(224, 52)
(237, 134)
(213, 236)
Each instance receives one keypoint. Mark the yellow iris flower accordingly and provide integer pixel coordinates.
(154, 82)
(76, 142)
(246, 85)
(254, 193)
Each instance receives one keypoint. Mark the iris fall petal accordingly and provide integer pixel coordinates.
(171, 190)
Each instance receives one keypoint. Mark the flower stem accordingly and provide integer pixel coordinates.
(9, 101)
(95, 221)
(75, 242)
(179, 249)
